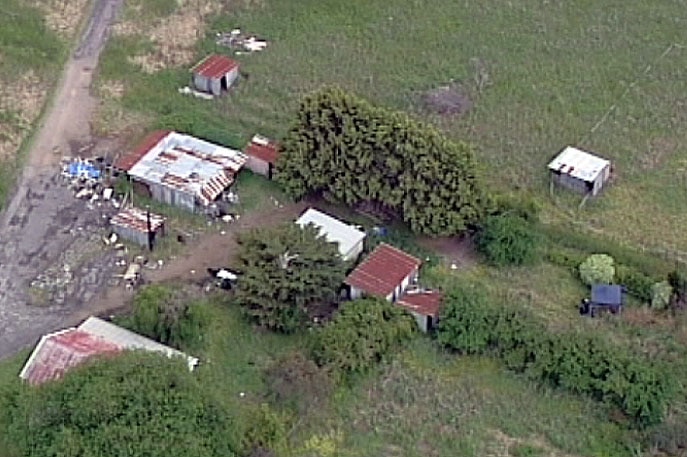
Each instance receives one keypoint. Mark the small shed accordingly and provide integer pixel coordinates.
(262, 156)
(137, 225)
(424, 305)
(580, 171)
(386, 273)
(348, 238)
(214, 74)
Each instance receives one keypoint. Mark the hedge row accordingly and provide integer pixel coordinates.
(578, 362)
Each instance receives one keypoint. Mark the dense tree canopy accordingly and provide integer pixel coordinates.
(286, 270)
(136, 404)
(508, 240)
(344, 147)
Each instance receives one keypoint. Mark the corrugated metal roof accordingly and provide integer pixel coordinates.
(333, 229)
(263, 149)
(215, 66)
(426, 303)
(137, 219)
(130, 340)
(58, 352)
(382, 271)
(186, 163)
(578, 164)
(127, 161)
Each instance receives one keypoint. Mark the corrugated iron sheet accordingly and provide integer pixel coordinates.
(383, 270)
(215, 66)
(137, 219)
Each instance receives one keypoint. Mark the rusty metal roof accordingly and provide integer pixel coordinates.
(382, 271)
(426, 302)
(185, 163)
(215, 66)
(137, 219)
(127, 161)
(58, 352)
(263, 149)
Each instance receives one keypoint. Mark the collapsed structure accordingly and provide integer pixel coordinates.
(181, 170)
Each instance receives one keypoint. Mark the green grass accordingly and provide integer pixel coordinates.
(26, 45)
(257, 194)
(553, 71)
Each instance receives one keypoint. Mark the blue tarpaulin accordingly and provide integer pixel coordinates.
(83, 170)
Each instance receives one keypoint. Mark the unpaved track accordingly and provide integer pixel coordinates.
(43, 226)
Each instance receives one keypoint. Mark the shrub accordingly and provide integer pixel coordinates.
(135, 404)
(508, 240)
(296, 381)
(597, 269)
(583, 363)
(265, 430)
(660, 295)
(167, 315)
(637, 283)
(362, 333)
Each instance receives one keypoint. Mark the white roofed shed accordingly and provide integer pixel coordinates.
(349, 238)
(579, 170)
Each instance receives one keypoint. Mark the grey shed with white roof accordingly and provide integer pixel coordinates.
(580, 171)
(349, 239)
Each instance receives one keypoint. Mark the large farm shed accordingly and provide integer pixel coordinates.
(348, 238)
(58, 352)
(580, 171)
(141, 227)
(181, 170)
(214, 74)
(386, 273)
(262, 156)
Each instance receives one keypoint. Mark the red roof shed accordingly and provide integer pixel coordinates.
(426, 303)
(127, 161)
(383, 271)
(215, 66)
(263, 149)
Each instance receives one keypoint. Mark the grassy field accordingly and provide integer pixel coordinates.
(540, 76)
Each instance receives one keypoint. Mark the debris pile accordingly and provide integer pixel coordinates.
(240, 42)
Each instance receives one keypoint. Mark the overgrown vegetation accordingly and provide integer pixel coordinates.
(583, 363)
(133, 404)
(287, 272)
(597, 269)
(168, 315)
(343, 147)
(508, 240)
(363, 333)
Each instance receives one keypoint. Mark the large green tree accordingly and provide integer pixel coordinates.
(346, 148)
(132, 405)
(286, 271)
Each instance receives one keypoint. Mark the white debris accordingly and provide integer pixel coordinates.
(228, 218)
(454, 266)
(107, 193)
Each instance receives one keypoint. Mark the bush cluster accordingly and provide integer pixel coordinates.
(508, 240)
(578, 362)
(363, 333)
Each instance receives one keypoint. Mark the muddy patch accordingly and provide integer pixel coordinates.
(449, 100)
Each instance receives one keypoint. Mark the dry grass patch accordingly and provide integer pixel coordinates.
(63, 16)
(173, 37)
(507, 446)
(21, 102)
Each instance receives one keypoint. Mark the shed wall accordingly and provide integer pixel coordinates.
(354, 252)
(201, 83)
(258, 166)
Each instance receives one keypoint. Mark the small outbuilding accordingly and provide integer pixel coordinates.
(214, 74)
(580, 171)
(181, 170)
(385, 273)
(58, 352)
(138, 226)
(348, 238)
(605, 297)
(262, 156)
(424, 305)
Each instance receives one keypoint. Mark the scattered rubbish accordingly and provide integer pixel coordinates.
(380, 231)
(85, 192)
(227, 218)
(225, 277)
(222, 232)
(193, 272)
(188, 91)
(160, 262)
(107, 193)
(82, 168)
(454, 266)
(240, 43)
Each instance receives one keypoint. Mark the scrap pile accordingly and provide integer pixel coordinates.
(241, 43)
(86, 178)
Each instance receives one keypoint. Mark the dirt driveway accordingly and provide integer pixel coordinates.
(48, 239)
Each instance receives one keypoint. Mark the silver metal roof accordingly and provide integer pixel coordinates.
(333, 229)
(578, 164)
(189, 164)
